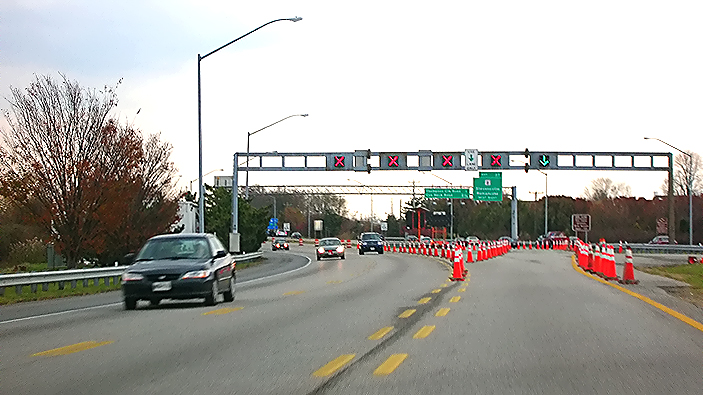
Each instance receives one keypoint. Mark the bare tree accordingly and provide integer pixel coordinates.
(58, 153)
(687, 173)
(604, 188)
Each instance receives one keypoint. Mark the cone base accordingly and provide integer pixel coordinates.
(456, 279)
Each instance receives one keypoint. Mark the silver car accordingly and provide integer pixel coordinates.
(330, 247)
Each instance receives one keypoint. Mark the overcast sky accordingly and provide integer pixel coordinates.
(381, 75)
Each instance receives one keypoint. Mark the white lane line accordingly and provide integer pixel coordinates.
(60, 313)
(120, 303)
(279, 274)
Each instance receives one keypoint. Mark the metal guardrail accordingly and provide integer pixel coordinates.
(665, 248)
(33, 280)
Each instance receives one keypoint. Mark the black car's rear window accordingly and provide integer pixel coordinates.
(330, 242)
(175, 248)
(370, 236)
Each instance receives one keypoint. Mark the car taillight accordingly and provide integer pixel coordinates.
(321, 250)
(285, 245)
(340, 249)
(278, 245)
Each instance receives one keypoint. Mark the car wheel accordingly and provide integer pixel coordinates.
(130, 303)
(380, 252)
(342, 257)
(229, 294)
(361, 252)
(318, 257)
(155, 301)
(211, 299)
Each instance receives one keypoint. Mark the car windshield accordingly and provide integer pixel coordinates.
(330, 242)
(174, 248)
(280, 241)
(370, 236)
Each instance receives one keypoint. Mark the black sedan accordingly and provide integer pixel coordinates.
(179, 266)
(330, 247)
(279, 243)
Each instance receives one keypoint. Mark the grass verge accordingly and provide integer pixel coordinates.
(690, 274)
(54, 292)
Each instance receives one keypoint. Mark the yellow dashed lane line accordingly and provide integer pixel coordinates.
(454, 299)
(424, 300)
(390, 365)
(334, 365)
(436, 291)
(442, 312)
(293, 293)
(424, 332)
(407, 313)
(71, 349)
(223, 311)
(381, 332)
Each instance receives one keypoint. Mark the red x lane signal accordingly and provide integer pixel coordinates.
(338, 161)
(447, 161)
(495, 161)
(392, 160)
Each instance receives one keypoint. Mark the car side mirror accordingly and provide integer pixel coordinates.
(129, 258)
(220, 254)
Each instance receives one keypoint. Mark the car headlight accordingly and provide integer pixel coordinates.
(127, 276)
(340, 249)
(321, 250)
(197, 274)
(363, 243)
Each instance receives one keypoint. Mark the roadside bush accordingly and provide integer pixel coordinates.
(28, 251)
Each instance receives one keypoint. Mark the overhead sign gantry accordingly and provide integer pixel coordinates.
(468, 160)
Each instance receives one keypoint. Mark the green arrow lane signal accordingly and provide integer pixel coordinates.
(544, 160)
(471, 158)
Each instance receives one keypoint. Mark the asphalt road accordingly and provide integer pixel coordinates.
(526, 322)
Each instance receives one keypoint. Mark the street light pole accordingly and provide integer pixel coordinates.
(249, 134)
(546, 205)
(690, 188)
(201, 202)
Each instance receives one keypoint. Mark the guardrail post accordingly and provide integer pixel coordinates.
(33, 287)
(18, 289)
(107, 281)
(62, 284)
(45, 287)
(2, 291)
(96, 281)
(74, 283)
(116, 280)
(85, 283)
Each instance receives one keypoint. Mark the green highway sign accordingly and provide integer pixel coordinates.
(446, 193)
(489, 187)
(490, 174)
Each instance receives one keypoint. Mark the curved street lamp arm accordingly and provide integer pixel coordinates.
(664, 142)
(295, 115)
(296, 19)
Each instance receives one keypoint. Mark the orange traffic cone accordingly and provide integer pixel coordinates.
(469, 255)
(609, 270)
(628, 275)
(300, 241)
(458, 274)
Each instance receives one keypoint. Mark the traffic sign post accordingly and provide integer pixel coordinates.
(446, 193)
(581, 223)
(488, 187)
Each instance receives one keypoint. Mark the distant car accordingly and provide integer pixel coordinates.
(473, 239)
(411, 238)
(279, 243)
(179, 266)
(661, 239)
(330, 247)
(370, 241)
(296, 235)
(513, 242)
(426, 240)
